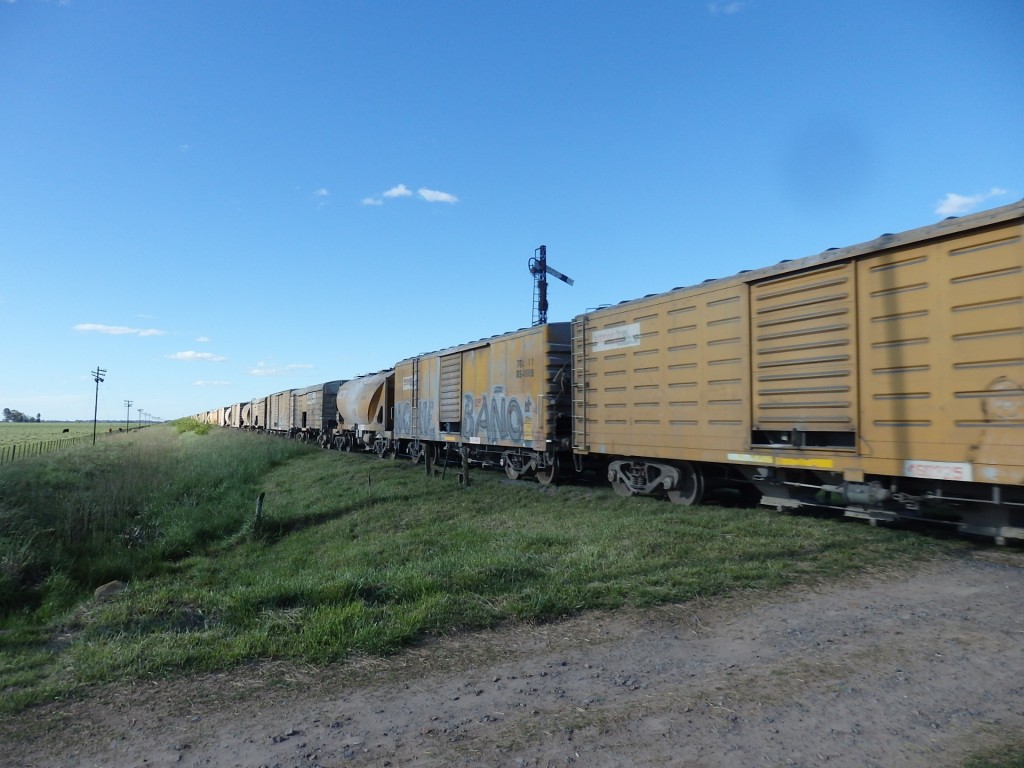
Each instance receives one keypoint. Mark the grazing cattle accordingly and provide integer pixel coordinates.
(67, 429)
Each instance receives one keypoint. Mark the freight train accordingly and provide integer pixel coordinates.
(885, 380)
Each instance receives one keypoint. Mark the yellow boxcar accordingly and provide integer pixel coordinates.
(500, 400)
(885, 379)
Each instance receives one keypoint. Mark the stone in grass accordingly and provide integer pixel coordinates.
(109, 589)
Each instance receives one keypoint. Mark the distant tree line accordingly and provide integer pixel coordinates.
(12, 415)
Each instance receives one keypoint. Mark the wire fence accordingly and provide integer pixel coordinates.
(9, 453)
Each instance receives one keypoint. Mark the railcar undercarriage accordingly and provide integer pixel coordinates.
(517, 463)
(521, 463)
(974, 508)
(994, 511)
(681, 482)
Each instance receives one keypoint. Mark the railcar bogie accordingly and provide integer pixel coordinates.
(543, 465)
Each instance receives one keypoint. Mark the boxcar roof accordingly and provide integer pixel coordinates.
(480, 342)
(949, 226)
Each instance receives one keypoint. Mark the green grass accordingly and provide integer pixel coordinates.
(351, 555)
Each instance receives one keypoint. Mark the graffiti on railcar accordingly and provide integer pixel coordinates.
(424, 414)
(998, 452)
(497, 416)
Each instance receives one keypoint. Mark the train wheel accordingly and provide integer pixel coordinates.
(510, 469)
(546, 475)
(415, 452)
(691, 486)
(751, 496)
(621, 488)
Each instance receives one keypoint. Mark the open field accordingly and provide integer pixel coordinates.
(17, 433)
(353, 559)
(19, 440)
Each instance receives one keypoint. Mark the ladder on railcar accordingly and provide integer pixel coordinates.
(579, 385)
(415, 399)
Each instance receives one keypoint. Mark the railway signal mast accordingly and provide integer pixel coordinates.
(540, 270)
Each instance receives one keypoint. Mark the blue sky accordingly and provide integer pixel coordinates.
(218, 200)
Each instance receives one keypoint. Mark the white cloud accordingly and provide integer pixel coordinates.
(955, 205)
(320, 196)
(725, 8)
(400, 190)
(190, 355)
(433, 196)
(203, 339)
(264, 369)
(202, 383)
(117, 330)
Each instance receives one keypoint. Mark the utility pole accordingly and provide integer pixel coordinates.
(97, 376)
(140, 418)
(128, 416)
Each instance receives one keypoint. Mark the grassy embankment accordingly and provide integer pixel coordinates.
(351, 555)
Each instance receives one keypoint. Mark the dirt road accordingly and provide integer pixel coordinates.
(896, 670)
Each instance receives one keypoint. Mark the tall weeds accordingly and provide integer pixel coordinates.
(119, 510)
